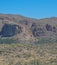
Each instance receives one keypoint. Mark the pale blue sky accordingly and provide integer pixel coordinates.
(30, 8)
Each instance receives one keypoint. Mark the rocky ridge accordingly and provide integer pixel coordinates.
(23, 28)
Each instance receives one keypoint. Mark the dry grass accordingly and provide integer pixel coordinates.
(28, 54)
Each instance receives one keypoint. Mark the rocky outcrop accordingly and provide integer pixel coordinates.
(51, 28)
(9, 30)
(54, 29)
(48, 27)
(37, 31)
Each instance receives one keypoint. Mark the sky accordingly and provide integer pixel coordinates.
(30, 8)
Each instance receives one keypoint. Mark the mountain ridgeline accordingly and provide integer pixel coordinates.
(27, 29)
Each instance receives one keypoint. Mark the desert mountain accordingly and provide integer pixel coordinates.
(27, 29)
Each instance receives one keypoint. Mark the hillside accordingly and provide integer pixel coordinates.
(24, 29)
(27, 41)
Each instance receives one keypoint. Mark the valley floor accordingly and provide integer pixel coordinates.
(28, 54)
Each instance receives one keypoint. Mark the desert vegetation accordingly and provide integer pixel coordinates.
(28, 54)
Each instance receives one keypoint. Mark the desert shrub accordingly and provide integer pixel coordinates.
(18, 63)
(7, 40)
(27, 55)
(44, 40)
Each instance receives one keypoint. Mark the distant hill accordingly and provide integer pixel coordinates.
(21, 28)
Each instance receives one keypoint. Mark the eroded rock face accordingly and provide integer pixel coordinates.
(37, 31)
(51, 28)
(48, 27)
(54, 29)
(9, 30)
